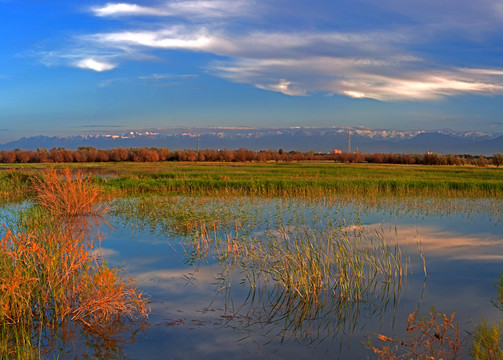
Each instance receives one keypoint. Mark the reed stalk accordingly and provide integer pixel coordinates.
(50, 274)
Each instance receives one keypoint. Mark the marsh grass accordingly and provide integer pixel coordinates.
(313, 179)
(14, 185)
(488, 337)
(487, 340)
(305, 284)
(308, 179)
(176, 216)
(68, 194)
(303, 250)
(309, 274)
(306, 262)
(50, 275)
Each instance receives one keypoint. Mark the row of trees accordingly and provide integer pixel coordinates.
(91, 154)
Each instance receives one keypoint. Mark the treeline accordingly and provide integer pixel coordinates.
(91, 154)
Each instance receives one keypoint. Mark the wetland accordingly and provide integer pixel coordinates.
(249, 260)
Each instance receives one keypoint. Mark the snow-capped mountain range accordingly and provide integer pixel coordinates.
(303, 139)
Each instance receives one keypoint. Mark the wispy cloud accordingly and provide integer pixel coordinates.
(121, 9)
(415, 86)
(361, 78)
(95, 65)
(81, 54)
(157, 77)
(199, 8)
(283, 86)
(371, 63)
(100, 126)
(172, 38)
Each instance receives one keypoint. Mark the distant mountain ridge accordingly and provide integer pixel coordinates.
(302, 139)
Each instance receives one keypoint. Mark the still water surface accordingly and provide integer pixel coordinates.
(195, 316)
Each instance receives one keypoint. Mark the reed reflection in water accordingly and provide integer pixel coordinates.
(59, 298)
(233, 298)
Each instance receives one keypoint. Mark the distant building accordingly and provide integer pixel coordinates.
(337, 151)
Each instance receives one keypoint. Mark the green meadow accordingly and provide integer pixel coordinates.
(275, 179)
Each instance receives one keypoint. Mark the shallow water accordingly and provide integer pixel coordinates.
(193, 315)
(197, 314)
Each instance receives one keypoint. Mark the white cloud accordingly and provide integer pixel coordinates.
(283, 86)
(382, 80)
(157, 77)
(498, 7)
(354, 94)
(95, 65)
(119, 9)
(199, 9)
(369, 63)
(173, 38)
(496, 72)
(420, 86)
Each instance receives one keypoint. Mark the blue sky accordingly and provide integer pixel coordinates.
(85, 67)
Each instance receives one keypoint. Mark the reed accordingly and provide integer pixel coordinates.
(305, 282)
(69, 194)
(487, 340)
(14, 185)
(307, 262)
(50, 274)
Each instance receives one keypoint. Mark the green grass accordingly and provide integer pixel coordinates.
(278, 179)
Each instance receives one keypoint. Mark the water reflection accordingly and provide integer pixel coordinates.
(215, 303)
(71, 340)
(59, 299)
(209, 301)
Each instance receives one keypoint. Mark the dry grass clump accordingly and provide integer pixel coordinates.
(435, 338)
(69, 194)
(106, 296)
(50, 274)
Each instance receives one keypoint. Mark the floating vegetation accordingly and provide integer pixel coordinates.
(175, 216)
(436, 337)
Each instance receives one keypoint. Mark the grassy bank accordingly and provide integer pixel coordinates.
(276, 179)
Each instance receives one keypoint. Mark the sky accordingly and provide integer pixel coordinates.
(82, 67)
